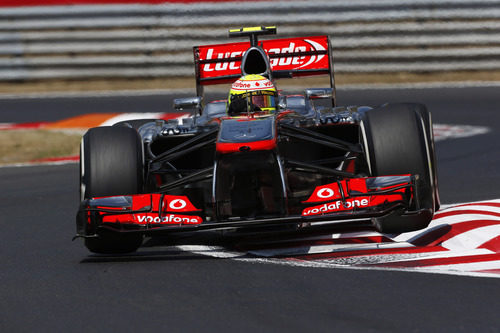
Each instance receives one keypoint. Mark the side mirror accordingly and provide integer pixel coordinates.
(188, 103)
(282, 102)
(319, 98)
(319, 93)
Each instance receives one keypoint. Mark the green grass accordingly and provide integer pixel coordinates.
(20, 146)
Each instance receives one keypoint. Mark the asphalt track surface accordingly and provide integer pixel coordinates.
(49, 283)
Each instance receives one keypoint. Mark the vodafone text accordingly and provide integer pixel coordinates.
(336, 206)
(252, 84)
(169, 219)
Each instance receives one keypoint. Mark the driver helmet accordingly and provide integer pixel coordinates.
(252, 94)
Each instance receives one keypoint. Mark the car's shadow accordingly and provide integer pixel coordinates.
(167, 249)
(156, 255)
(214, 245)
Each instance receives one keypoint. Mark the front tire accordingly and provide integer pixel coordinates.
(396, 142)
(111, 163)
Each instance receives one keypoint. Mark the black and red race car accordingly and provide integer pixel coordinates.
(309, 163)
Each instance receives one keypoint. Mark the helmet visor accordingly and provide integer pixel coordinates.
(252, 101)
(263, 101)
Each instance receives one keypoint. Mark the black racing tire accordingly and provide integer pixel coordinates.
(427, 119)
(111, 163)
(397, 141)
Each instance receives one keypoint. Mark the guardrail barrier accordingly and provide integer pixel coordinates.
(156, 40)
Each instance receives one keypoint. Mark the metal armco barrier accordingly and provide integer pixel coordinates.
(156, 40)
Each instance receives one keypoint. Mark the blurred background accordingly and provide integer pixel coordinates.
(54, 45)
(119, 57)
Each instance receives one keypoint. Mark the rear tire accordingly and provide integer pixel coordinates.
(111, 163)
(397, 142)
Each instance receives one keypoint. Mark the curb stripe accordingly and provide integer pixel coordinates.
(82, 121)
(443, 261)
(364, 253)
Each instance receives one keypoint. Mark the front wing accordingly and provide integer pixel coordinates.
(346, 201)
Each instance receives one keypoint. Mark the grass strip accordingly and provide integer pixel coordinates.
(21, 146)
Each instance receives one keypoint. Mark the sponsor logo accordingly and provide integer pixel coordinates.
(252, 84)
(169, 219)
(222, 66)
(177, 204)
(325, 193)
(286, 61)
(296, 61)
(336, 206)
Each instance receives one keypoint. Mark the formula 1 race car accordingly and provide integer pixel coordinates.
(260, 159)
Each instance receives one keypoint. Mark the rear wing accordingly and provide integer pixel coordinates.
(288, 57)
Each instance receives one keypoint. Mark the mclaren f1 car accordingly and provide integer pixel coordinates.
(260, 159)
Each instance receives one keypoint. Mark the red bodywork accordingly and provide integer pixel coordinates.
(349, 195)
(355, 197)
(143, 209)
